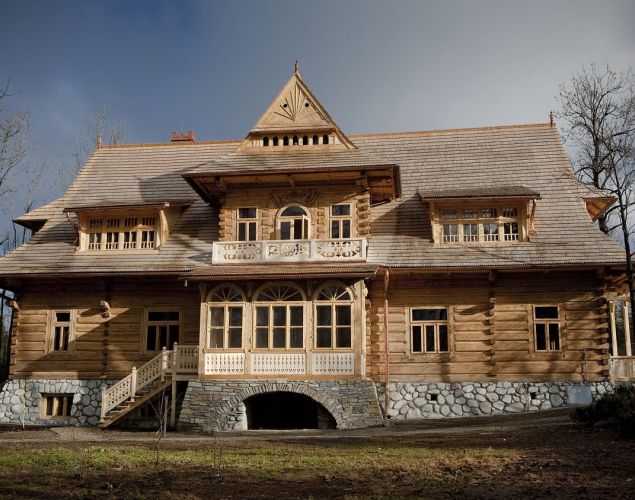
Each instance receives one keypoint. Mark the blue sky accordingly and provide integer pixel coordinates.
(376, 66)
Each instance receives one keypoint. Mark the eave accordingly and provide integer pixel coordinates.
(109, 206)
(598, 206)
(382, 181)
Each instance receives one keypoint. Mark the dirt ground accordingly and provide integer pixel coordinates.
(538, 455)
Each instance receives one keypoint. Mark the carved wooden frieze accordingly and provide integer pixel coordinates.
(306, 197)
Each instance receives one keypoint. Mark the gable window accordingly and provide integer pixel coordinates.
(279, 318)
(247, 224)
(61, 331)
(491, 224)
(162, 330)
(121, 233)
(56, 406)
(333, 318)
(429, 330)
(341, 221)
(293, 223)
(226, 318)
(546, 328)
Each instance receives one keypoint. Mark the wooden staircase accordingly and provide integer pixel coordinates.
(158, 374)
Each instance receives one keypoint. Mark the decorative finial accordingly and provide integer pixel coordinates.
(100, 141)
(297, 67)
(552, 118)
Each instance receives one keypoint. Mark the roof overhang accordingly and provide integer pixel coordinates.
(382, 181)
(597, 206)
(282, 271)
(501, 192)
(113, 206)
(33, 224)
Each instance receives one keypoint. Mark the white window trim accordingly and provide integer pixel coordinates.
(333, 303)
(280, 218)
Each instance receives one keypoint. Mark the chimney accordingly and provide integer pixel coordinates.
(188, 136)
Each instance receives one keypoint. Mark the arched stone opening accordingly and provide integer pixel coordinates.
(286, 410)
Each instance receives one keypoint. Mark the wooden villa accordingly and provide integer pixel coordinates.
(302, 277)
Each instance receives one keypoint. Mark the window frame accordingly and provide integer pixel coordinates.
(460, 215)
(340, 219)
(247, 221)
(146, 323)
(67, 405)
(53, 324)
(114, 237)
(547, 321)
(436, 323)
(226, 305)
(334, 326)
(270, 322)
(306, 222)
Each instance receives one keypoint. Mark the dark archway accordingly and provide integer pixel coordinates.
(286, 410)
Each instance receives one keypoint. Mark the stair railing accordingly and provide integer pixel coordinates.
(182, 359)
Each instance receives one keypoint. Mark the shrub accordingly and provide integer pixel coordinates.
(616, 410)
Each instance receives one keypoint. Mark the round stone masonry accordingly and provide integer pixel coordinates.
(21, 399)
(444, 399)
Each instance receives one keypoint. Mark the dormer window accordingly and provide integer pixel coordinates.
(121, 233)
(294, 223)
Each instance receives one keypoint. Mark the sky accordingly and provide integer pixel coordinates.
(214, 66)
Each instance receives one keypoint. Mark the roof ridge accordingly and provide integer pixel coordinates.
(376, 134)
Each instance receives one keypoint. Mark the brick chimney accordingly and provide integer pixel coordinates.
(188, 136)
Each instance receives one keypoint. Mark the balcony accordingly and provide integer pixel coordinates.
(329, 250)
(283, 364)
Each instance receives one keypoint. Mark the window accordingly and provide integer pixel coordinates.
(163, 328)
(285, 141)
(341, 221)
(429, 328)
(333, 318)
(226, 317)
(61, 330)
(547, 328)
(315, 140)
(491, 224)
(247, 224)
(450, 233)
(265, 141)
(56, 405)
(325, 139)
(276, 141)
(293, 223)
(121, 233)
(305, 140)
(279, 318)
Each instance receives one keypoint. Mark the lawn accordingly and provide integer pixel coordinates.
(478, 461)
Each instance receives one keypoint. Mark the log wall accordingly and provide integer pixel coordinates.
(491, 327)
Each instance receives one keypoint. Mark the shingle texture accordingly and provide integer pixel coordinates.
(531, 156)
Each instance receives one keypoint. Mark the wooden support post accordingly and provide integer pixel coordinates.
(627, 325)
(133, 383)
(103, 405)
(386, 342)
(164, 362)
(173, 405)
(613, 329)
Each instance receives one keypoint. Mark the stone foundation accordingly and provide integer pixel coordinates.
(218, 405)
(441, 400)
(20, 401)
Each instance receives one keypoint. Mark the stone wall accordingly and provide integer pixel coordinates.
(20, 400)
(440, 400)
(218, 405)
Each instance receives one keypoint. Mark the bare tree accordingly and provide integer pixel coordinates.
(598, 107)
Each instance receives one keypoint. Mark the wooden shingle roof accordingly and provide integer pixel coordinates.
(531, 156)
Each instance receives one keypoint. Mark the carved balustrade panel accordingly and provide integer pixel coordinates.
(278, 364)
(224, 363)
(334, 363)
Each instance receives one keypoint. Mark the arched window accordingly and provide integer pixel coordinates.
(333, 317)
(305, 140)
(226, 318)
(315, 139)
(295, 140)
(293, 223)
(276, 141)
(279, 317)
(265, 141)
(285, 141)
(325, 139)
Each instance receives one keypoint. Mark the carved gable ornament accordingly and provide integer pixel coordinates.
(294, 109)
(305, 197)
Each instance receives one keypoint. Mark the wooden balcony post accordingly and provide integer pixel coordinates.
(175, 353)
(627, 325)
(613, 329)
(133, 383)
(164, 362)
